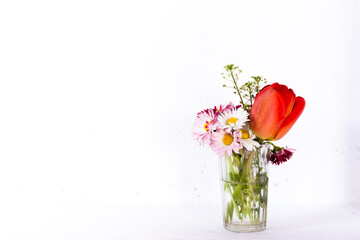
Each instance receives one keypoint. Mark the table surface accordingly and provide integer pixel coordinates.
(153, 221)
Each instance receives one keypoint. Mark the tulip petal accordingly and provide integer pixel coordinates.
(298, 108)
(267, 113)
(287, 94)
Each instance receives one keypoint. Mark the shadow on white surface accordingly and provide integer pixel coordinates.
(324, 222)
(139, 221)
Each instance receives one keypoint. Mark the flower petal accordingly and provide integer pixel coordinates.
(291, 119)
(287, 95)
(268, 113)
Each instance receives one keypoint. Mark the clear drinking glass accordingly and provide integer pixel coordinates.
(244, 189)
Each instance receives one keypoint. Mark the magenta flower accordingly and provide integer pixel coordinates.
(219, 110)
(282, 155)
(206, 122)
(204, 126)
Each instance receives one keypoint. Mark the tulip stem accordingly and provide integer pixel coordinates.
(250, 100)
(276, 148)
(237, 89)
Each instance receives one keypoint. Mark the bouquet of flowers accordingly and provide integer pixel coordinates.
(241, 135)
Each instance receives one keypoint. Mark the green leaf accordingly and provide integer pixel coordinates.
(230, 211)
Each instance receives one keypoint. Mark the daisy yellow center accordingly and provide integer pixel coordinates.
(231, 120)
(228, 139)
(206, 125)
(244, 134)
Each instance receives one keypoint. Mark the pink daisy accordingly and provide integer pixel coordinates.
(204, 125)
(223, 142)
(219, 110)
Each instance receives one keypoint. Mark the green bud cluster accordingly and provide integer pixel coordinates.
(248, 90)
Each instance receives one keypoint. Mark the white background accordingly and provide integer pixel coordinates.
(98, 98)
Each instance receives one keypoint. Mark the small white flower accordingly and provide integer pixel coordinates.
(233, 119)
(247, 139)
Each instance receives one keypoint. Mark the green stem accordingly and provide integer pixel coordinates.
(246, 175)
(250, 92)
(242, 189)
(247, 166)
(250, 215)
(233, 202)
(276, 148)
(237, 89)
(231, 166)
(271, 143)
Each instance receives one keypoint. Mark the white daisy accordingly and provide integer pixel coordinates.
(246, 137)
(233, 119)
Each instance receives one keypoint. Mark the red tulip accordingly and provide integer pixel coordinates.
(275, 111)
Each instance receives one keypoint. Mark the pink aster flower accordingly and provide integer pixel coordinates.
(223, 142)
(204, 126)
(281, 156)
(219, 110)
